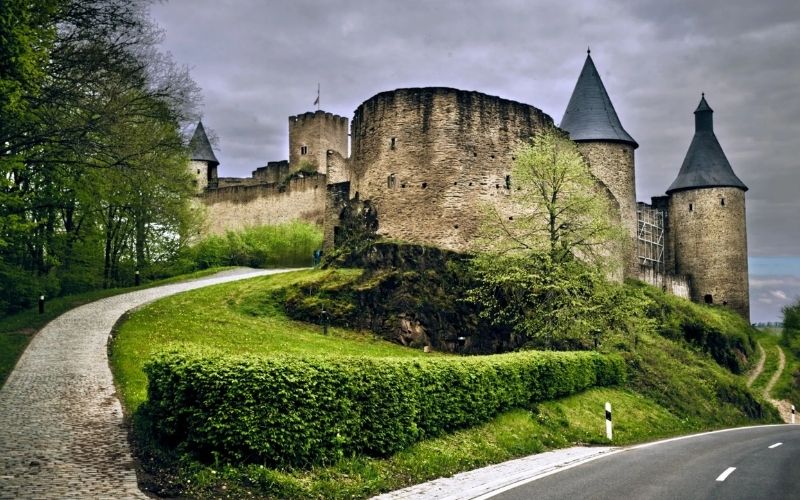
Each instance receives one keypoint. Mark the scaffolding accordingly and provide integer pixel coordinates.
(650, 237)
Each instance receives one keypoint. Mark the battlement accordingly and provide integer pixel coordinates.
(317, 115)
(312, 135)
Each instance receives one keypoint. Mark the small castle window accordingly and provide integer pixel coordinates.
(394, 140)
(708, 299)
(722, 201)
(511, 218)
(198, 171)
(391, 181)
(691, 207)
(508, 182)
(402, 185)
(303, 150)
(424, 185)
(455, 226)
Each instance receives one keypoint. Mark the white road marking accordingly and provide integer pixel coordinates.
(725, 474)
(775, 445)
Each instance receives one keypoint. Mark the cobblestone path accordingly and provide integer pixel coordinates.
(61, 427)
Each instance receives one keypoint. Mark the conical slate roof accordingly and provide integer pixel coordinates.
(590, 116)
(201, 148)
(705, 164)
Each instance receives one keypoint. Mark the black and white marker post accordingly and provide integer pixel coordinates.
(608, 421)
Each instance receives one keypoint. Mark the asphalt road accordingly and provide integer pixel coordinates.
(744, 463)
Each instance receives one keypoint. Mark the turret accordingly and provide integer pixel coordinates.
(593, 123)
(707, 219)
(203, 164)
(312, 135)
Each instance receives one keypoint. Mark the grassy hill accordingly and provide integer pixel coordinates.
(676, 385)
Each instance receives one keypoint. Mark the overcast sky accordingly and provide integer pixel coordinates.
(259, 61)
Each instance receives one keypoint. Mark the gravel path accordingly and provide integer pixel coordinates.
(759, 366)
(61, 427)
(784, 407)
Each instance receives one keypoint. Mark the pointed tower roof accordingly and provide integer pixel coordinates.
(200, 147)
(590, 116)
(705, 164)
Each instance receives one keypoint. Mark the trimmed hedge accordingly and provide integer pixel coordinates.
(298, 412)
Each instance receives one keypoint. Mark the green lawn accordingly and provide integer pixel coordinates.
(239, 317)
(17, 330)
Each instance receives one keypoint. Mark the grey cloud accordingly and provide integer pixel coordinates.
(769, 294)
(259, 62)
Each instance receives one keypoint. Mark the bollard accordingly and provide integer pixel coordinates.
(608, 421)
(41, 304)
(325, 320)
(137, 280)
(792, 413)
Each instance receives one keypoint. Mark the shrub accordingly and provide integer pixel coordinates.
(718, 331)
(297, 412)
(289, 244)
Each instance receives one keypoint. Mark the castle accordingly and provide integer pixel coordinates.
(423, 160)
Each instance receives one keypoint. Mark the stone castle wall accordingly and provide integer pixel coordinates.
(238, 207)
(199, 171)
(670, 283)
(709, 234)
(613, 165)
(428, 158)
(274, 171)
(317, 132)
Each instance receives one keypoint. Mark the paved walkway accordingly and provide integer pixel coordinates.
(61, 427)
(488, 481)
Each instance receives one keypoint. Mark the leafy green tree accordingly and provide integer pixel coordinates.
(791, 326)
(559, 208)
(541, 271)
(92, 165)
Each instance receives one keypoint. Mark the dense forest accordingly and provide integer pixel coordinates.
(93, 178)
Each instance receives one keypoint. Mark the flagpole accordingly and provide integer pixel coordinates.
(318, 96)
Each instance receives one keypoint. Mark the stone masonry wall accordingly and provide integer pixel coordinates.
(237, 207)
(428, 158)
(710, 243)
(675, 285)
(318, 132)
(613, 165)
(199, 171)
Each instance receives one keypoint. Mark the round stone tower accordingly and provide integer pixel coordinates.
(592, 122)
(429, 158)
(203, 164)
(707, 221)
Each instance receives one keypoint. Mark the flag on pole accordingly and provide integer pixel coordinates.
(316, 101)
